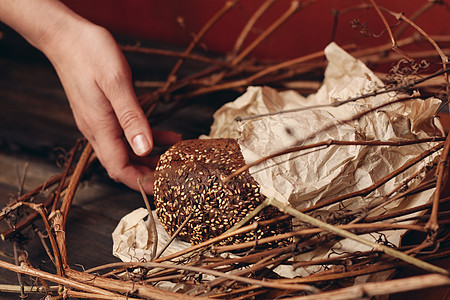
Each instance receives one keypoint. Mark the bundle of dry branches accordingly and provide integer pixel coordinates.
(207, 269)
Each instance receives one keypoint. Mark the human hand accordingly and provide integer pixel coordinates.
(97, 82)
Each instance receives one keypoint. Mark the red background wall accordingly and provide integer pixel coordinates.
(309, 30)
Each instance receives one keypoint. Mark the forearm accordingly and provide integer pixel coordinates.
(41, 22)
(97, 81)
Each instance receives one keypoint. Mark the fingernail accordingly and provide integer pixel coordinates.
(140, 144)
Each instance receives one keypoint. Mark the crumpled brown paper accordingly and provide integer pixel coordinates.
(306, 178)
(132, 237)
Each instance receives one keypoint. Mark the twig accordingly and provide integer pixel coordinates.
(400, 16)
(60, 236)
(151, 219)
(369, 269)
(252, 295)
(251, 22)
(264, 283)
(415, 38)
(74, 181)
(65, 174)
(378, 204)
(55, 248)
(427, 6)
(181, 55)
(265, 261)
(227, 6)
(310, 231)
(8, 288)
(235, 292)
(211, 241)
(295, 5)
(25, 221)
(250, 79)
(57, 297)
(164, 278)
(341, 259)
(395, 58)
(373, 208)
(174, 235)
(385, 90)
(403, 212)
(250, 258)
(391, 36)
(234, 57)
(373, 289)
(23, 269)
(444, 58)
(19, 276)
(125, 287)
(80, 295)
(45, 288)
(444, 218)
(326, 144)
(442, 174)
(248, 217)
(207, 243)
(21, 179)
(30, 194)
(343, 233)
(44, 244)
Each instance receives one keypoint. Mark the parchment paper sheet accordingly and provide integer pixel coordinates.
(132, 237)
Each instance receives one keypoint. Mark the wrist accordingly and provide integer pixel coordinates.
(60, 33)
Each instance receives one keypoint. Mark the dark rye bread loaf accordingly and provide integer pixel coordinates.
(188, 179)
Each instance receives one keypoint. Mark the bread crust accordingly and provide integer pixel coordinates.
(188, 179)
